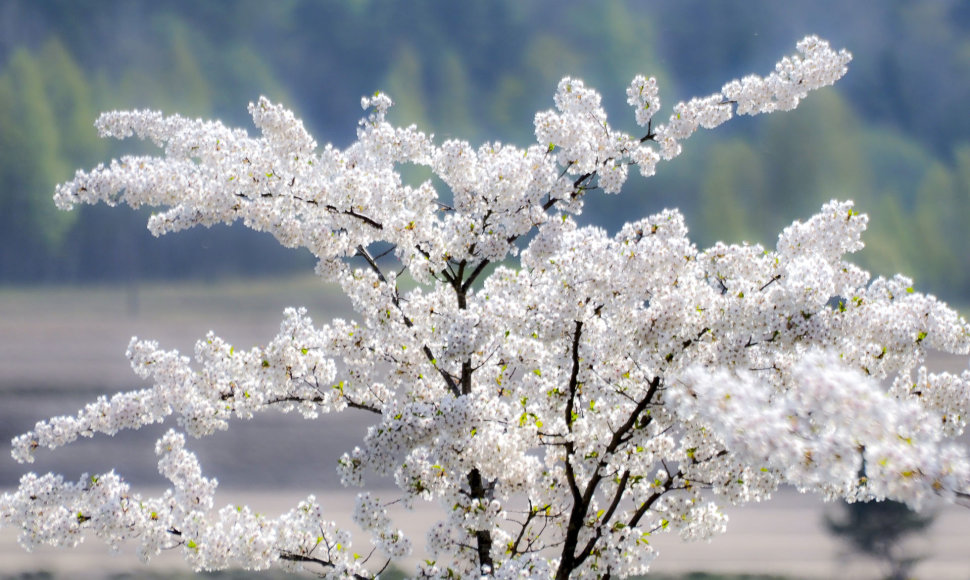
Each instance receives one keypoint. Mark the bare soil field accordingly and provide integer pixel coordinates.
(60, 348)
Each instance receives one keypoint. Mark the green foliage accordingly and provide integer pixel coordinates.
(31, 162)
(917, 203)
(812, 155)
(405, 85)
(455, 108)
(734, 197)
(71, 102)
(797, 161)
(937, 217)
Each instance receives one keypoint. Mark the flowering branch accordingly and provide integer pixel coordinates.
(561, 410)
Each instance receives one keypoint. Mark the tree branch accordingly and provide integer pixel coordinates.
(483, 537)
(573, 386)
(367, 220)
(317, 400)
(569, 560)
(291, 557)
(396, 300)
(514, 548)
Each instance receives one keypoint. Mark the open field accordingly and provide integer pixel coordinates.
(75, 337)
(61, 347)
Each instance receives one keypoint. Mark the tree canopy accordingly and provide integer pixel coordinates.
(563, 394)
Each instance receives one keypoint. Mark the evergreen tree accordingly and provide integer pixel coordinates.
(878, 529)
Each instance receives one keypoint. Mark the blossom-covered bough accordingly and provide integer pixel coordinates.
(562, 393)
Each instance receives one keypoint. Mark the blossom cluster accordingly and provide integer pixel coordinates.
(562, 410)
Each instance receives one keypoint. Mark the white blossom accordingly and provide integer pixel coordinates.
(562, 393)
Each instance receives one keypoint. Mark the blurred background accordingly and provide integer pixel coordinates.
(894, 135)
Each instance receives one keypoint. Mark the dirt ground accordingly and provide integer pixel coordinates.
(61, 348)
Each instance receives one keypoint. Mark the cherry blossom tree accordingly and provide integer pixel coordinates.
(564, 394)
